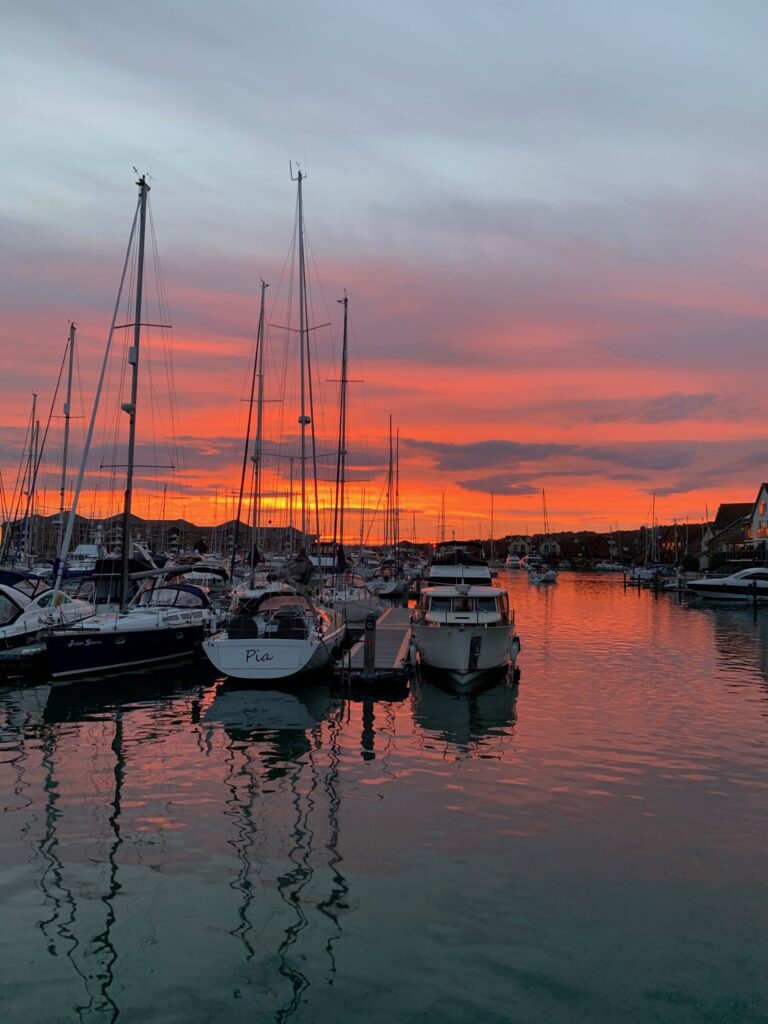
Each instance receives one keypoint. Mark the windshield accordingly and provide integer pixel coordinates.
(163, 597)
(8, 610)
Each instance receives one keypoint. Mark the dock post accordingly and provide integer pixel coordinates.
(369, 647)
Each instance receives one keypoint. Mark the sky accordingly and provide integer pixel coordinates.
(548, 217)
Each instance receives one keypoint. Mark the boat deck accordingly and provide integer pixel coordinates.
(390, 636)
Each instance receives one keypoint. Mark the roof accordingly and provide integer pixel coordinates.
(467, 590)
(731, 513)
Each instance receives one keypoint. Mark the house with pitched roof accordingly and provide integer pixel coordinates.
(729, 533)
(758, 525)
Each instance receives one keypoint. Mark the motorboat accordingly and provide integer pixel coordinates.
(459, 567)
(744, 585)
(538, 570)
(464, 630)
(29, 605)
(542, 574)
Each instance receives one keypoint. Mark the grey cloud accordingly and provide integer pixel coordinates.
(485, 454)
(674, 406)
(499, 484)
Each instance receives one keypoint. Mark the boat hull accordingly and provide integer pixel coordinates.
(262, 659)
(728, 591)
(465, 653)
(83, 652)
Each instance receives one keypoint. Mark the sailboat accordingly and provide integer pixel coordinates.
(344, 589)
(389, 580)
(284, 634)
(539, 571)
(165, 621)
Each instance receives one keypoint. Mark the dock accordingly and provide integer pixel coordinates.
(382, 655)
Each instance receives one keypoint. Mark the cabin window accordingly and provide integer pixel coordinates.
(486, 604)
(8, 610)
(440, 604)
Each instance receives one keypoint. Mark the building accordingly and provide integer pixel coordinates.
(758, 524)
(728, 535)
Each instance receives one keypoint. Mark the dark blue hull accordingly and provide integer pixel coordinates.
(80, 653)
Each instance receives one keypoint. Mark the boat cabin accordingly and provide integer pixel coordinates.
(287, 616)
(463, 604)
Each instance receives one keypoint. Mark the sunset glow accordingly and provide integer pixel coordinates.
(547, 290)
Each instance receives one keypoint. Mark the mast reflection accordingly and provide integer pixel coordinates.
(82, 906)
(93, 956)
(285, 745)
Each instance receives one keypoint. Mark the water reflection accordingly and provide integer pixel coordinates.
(279, 737)
(79, 846)
(79, 920)
(470, 720)
(740, 636)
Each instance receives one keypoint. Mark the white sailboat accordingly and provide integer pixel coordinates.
(343, 589)
(539, 571)
(286, 634)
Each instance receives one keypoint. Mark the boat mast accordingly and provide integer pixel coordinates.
(89, 433)
(130, 407)
(388, 527)
(257, 445)
(397, 496)
(22, 536)
(338, 514)
(62, 490)
(492, 553)
(304, 420)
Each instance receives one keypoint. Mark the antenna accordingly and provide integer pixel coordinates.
(299, 176)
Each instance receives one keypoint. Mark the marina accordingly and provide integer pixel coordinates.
(588, 843)
(384, 514)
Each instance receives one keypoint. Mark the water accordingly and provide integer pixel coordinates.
(586, 847)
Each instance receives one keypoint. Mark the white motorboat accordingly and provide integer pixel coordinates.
(465, 630)
(459, 566)
(29, 605)
(745, 585)
(542, 574)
